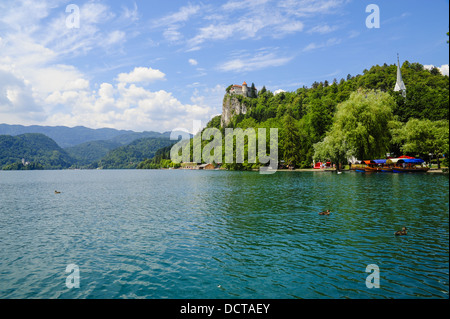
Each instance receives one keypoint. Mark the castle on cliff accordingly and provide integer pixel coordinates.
(243, 90)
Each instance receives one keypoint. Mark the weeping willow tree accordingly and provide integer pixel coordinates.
(359, 129)
(423, 137)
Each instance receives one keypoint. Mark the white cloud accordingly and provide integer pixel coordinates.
(259, 61)
(278, 91)
(172, 22)
(328, 43)
(172, 34)
(115, 37)
(295, 26)
(444, 69)
(16, 98)
(128, 107)
(304, 8)
(131, 14)
(241, 20)
(94, 13)
(124, 105)
(322, 29)
(193, 62)
(182, 15)
(141, 74)
(353, 34)
(243, 5)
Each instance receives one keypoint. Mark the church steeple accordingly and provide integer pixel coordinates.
(400, 85)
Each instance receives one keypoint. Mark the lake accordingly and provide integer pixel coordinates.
(217, 234)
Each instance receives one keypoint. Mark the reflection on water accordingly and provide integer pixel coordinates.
(214, 234)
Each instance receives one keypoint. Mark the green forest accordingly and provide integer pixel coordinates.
(35, 151)
(40, 151)
(129, 156)
(360, 116)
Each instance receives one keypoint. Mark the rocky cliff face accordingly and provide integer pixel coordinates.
(231, 106)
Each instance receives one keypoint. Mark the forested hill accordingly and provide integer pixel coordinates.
(129, 156)
(62, 135)
(427, 95)
(40, 151)
(305, 116)
(74, 136)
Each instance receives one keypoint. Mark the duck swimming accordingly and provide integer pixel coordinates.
(327, 212)
(56, 192)
(402, 232)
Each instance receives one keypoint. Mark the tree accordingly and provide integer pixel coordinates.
(253, 91)
(423, 137)
(334, 147)
(291, 138)
(263, 90)
(359, 128)
(319, 118)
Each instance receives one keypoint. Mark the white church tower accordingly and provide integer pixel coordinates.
(400, 85)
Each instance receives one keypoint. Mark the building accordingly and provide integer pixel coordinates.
(192, 165)
(206, 166)
(400, 85)
(242, 90)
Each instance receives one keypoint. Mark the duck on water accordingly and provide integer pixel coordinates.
(402, 232)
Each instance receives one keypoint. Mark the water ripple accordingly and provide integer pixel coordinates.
(185, 234)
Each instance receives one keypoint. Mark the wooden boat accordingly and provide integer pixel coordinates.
(403, 164)
(409, 165)
(358, 168)
(371, 169)
(372, 166)
(411, 169)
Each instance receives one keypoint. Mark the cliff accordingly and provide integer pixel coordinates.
(231, 106)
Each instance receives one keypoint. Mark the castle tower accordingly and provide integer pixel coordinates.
(245, 89)
(400, 85)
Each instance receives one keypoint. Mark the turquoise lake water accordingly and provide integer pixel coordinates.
(217, 234)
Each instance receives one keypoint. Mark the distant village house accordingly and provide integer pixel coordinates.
(206, 166)
(196, 166)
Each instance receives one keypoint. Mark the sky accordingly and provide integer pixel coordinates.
(160, 65)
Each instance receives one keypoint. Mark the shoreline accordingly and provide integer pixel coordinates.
(432, 170)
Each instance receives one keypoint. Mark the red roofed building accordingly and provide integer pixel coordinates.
(241, 90)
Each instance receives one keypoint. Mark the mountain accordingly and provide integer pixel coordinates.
(90, 152)
(64, 136)
(127, 138)
(93, 151)
(37, 149)
(71, 136)
(129, 156)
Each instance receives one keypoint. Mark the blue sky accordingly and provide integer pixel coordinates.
(159, 65)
